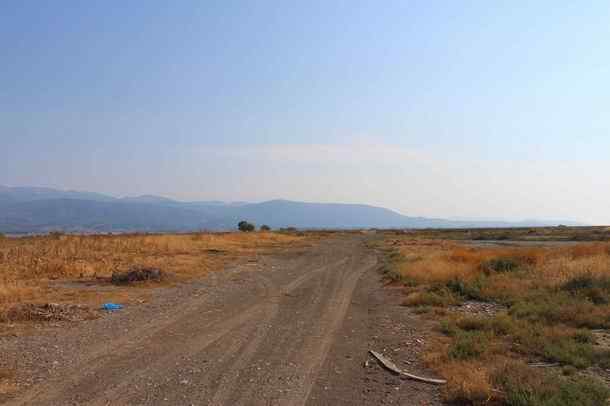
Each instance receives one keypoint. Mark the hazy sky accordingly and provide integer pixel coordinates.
(494, 109)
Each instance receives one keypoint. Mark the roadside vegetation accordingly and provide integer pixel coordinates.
(58, 268)
(517, 325)
(559, 233)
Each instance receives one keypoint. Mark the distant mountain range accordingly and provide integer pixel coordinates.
(39, 210)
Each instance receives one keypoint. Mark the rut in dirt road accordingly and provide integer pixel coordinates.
(263, 342)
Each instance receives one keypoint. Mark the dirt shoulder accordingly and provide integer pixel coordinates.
(292, 328)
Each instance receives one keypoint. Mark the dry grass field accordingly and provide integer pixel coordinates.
(517, 325)
(52, 269)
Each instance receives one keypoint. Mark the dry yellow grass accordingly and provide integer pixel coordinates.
(428, 262)
(468, 381)
(552, 297)
(32, 269)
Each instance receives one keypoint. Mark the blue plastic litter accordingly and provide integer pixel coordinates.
(112, 306)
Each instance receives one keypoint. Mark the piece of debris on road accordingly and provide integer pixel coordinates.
(112, 307)
(390, 366)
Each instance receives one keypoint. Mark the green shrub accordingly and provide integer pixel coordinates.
(245, 226)
(437, 298)
(449, 328)
(499, 325)
(525, 386)
(502, 324)
(578, 283)
(500, 265)
(536, 341)
(568, 351)
(265, 227)
(473, 323)
(552, 307)
(580, 391)
(595, 289)
(467, 290)
(469, 345)
(538, 309)
(584, 337)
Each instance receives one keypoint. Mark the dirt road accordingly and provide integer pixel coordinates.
(289, 329)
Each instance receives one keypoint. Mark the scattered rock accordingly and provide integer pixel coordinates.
(479, 308)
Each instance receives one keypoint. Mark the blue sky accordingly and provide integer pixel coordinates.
(436, 108)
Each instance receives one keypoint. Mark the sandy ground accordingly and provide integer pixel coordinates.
(292, 328)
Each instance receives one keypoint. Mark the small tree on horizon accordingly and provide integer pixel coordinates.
(245, 226)
(265, 227)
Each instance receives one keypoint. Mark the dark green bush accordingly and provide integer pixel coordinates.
(595, 289)
(245, 226)
(568, 351)
(499, 325)
(580, 391)
(469, 345)
(525, 386)
(584, 337)
(449, 328)
(552, 307)
(500, 265)
(584, 282)
(467, 290)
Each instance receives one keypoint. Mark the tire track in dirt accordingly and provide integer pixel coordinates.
(298, 353)
(283, 340)
(135, 349)
(132, 354)
(259, 327)
(264, 342)
(314, 354)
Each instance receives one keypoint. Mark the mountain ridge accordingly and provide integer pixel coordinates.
(39, 210)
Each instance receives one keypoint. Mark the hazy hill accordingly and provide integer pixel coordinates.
(282, 213)
(27, 194)
(149, 199)
(34, 210)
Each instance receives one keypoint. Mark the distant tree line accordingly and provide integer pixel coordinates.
(247, 227)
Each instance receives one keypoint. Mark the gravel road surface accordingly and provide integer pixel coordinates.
(291, 328)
